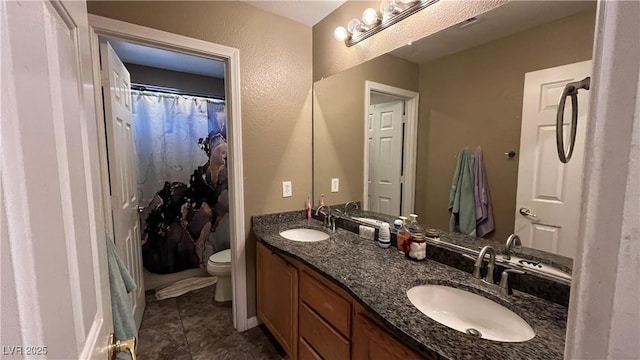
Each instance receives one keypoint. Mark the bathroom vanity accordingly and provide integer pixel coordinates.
(346, 298)
(313, 318)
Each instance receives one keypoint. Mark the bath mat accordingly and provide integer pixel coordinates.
(184, 286)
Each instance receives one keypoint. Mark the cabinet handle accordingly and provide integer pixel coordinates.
(281, 258)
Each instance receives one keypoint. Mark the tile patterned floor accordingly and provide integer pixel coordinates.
(194, 327)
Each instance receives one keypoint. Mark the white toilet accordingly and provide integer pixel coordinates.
(219, 265)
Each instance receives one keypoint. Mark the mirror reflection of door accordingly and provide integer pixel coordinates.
(385, 136)
(547, 208)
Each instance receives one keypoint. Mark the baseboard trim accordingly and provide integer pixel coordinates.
(253, 322)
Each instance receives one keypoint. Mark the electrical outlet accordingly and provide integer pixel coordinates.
(286, 189)
(335, 184)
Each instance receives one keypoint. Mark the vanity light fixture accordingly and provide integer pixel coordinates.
(391, 12)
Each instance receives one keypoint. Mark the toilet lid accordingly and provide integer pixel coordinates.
(222, 257)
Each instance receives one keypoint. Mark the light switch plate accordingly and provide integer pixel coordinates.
(335, 185)
(286, 189)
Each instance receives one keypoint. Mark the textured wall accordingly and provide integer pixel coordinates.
(338, 123)
(331, 56)
(474, 97)
(192, 83)
(276, 77)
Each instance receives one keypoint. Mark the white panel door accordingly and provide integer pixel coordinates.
(385, 157)
(550, 189)
(121, 149)
(55, 288)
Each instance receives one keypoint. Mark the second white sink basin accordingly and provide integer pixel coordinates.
(470, 313)
(306, 235)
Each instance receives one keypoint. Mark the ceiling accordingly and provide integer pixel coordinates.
(308, 12)
(505, 20)
(164, 59)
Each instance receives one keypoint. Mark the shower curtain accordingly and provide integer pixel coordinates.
(166, 130)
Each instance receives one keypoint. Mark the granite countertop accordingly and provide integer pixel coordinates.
(379, 278)
(475, 244)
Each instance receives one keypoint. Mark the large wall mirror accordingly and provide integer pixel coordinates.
(391, 129)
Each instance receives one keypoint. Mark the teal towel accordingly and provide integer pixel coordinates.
(121, 284)
(461, 200)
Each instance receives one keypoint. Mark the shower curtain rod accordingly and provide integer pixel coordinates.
(173, 91)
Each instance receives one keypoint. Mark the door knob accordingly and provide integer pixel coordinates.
(115, 347)
(527, 212)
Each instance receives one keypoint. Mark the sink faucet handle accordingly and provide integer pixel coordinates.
(505, 286)
(476, 268)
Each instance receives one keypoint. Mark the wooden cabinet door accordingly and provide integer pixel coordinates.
(277, 292)
(370, 342)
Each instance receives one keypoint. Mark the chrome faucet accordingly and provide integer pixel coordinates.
(346, 206)
(492, 264)
(504, 287)
(328, 220)
(512, 240)
(478, 265)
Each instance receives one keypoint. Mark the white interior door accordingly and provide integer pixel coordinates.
(385, 157)
(550, 189)
(55, 288)
(120, 147)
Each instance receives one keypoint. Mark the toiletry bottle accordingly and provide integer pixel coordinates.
(321, 199)
(384, 237)
(309, 208)
(403, 235)
(397, 224)
(413, 226)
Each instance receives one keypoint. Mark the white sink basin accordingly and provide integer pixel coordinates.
(369, 221)
(306, 235)
(470, 313)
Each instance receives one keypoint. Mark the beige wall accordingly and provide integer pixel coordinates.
(331, 56)
(191, 83)
(276, 77)
(473, 98)
(338, 123)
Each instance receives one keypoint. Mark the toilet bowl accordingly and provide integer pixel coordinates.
(219, 265)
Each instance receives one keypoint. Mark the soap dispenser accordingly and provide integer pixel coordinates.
(403, 235)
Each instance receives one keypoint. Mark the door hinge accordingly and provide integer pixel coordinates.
(404, 119)
(401, 179)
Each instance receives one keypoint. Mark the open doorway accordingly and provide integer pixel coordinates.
(182, 96)
(165, 121)
(390, 146)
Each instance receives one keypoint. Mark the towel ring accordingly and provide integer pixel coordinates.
(571, 89)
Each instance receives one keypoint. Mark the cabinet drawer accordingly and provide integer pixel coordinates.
(305, 352)
(326, 341)
(330, 306)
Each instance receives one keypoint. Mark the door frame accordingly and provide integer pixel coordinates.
(409, 147)
(102, 26)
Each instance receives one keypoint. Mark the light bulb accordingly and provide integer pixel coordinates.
(388, 8)
(354, 26)
(370, 17)
(340, 33)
